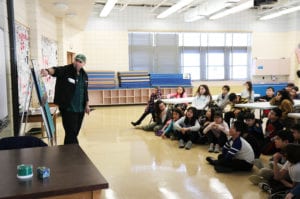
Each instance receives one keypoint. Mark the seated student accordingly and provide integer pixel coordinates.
(281, 140)
(289, 86)
(294, 93)
(270, 93)
(248, 92)
(168, 130)
(155, 95)
(290, 168)
(285, 104)
(204, 121)
(273, 125)
(202, 99)
(232, 112)
(187, 127)
(296, 133)
(216, 133)
(254, 134)
(162, 115)
(237, 154)
(223, 97)
(180, 93)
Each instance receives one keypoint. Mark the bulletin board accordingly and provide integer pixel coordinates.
(49, 59)
(23, 65)
(3, 87)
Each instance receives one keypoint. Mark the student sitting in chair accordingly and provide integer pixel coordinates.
(223, 97)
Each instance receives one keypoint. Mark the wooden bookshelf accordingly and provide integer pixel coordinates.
(127, 96)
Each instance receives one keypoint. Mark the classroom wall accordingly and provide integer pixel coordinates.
(106, 50)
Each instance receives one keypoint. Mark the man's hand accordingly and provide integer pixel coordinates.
(87, 109)
(44, 73)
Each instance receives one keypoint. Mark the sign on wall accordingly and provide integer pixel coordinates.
(23, 57)
(49, 59)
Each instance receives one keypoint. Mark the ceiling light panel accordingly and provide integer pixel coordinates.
(174, 8)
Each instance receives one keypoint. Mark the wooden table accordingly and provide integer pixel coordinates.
(73, 175)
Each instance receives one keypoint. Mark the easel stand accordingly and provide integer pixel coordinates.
(44, 106)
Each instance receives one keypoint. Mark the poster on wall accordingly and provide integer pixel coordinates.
(49, 59)
(23, 65)
(3, 88)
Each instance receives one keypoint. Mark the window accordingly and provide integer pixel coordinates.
(215, 66)
(206, 56)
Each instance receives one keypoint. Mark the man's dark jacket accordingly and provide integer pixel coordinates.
(65, 85)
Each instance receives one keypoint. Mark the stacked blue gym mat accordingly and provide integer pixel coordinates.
(170, 80)
(134, 79)
(101, 80)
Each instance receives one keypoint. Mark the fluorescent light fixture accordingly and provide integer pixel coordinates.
(280, 13)
(174, 8)
(61, 6)
(108, 7)
(204, 10)
(194, 18)
(243, 6)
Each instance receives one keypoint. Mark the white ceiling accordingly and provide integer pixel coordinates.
(79, 11)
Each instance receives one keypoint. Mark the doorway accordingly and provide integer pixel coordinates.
(70, 57)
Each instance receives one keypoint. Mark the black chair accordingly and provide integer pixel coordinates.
(20, 142)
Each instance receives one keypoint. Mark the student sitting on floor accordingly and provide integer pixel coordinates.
(291, 168)
(285, 104)
(187, 127)
(168, 130)
(216, 133)
(296, 133)
(232, 112)
(237, 154)
(254, 136)
(223, 97)
(265, 174)
(202, 99)
(162, 115)
(272, 127)
(204, 121)
(150, 108)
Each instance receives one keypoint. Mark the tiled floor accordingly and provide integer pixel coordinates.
(140, 165)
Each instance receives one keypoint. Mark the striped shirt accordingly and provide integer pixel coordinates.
(238, 149)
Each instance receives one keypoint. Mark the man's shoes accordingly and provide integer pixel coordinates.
(265, 187)
(188, 145)
(256, 179)
(181, 143)
(211, 160)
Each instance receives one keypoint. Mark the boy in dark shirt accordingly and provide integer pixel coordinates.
(272, 127)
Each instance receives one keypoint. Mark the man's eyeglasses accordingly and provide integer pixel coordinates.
(77, 60)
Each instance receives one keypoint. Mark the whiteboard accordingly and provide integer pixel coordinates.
(3, 88)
